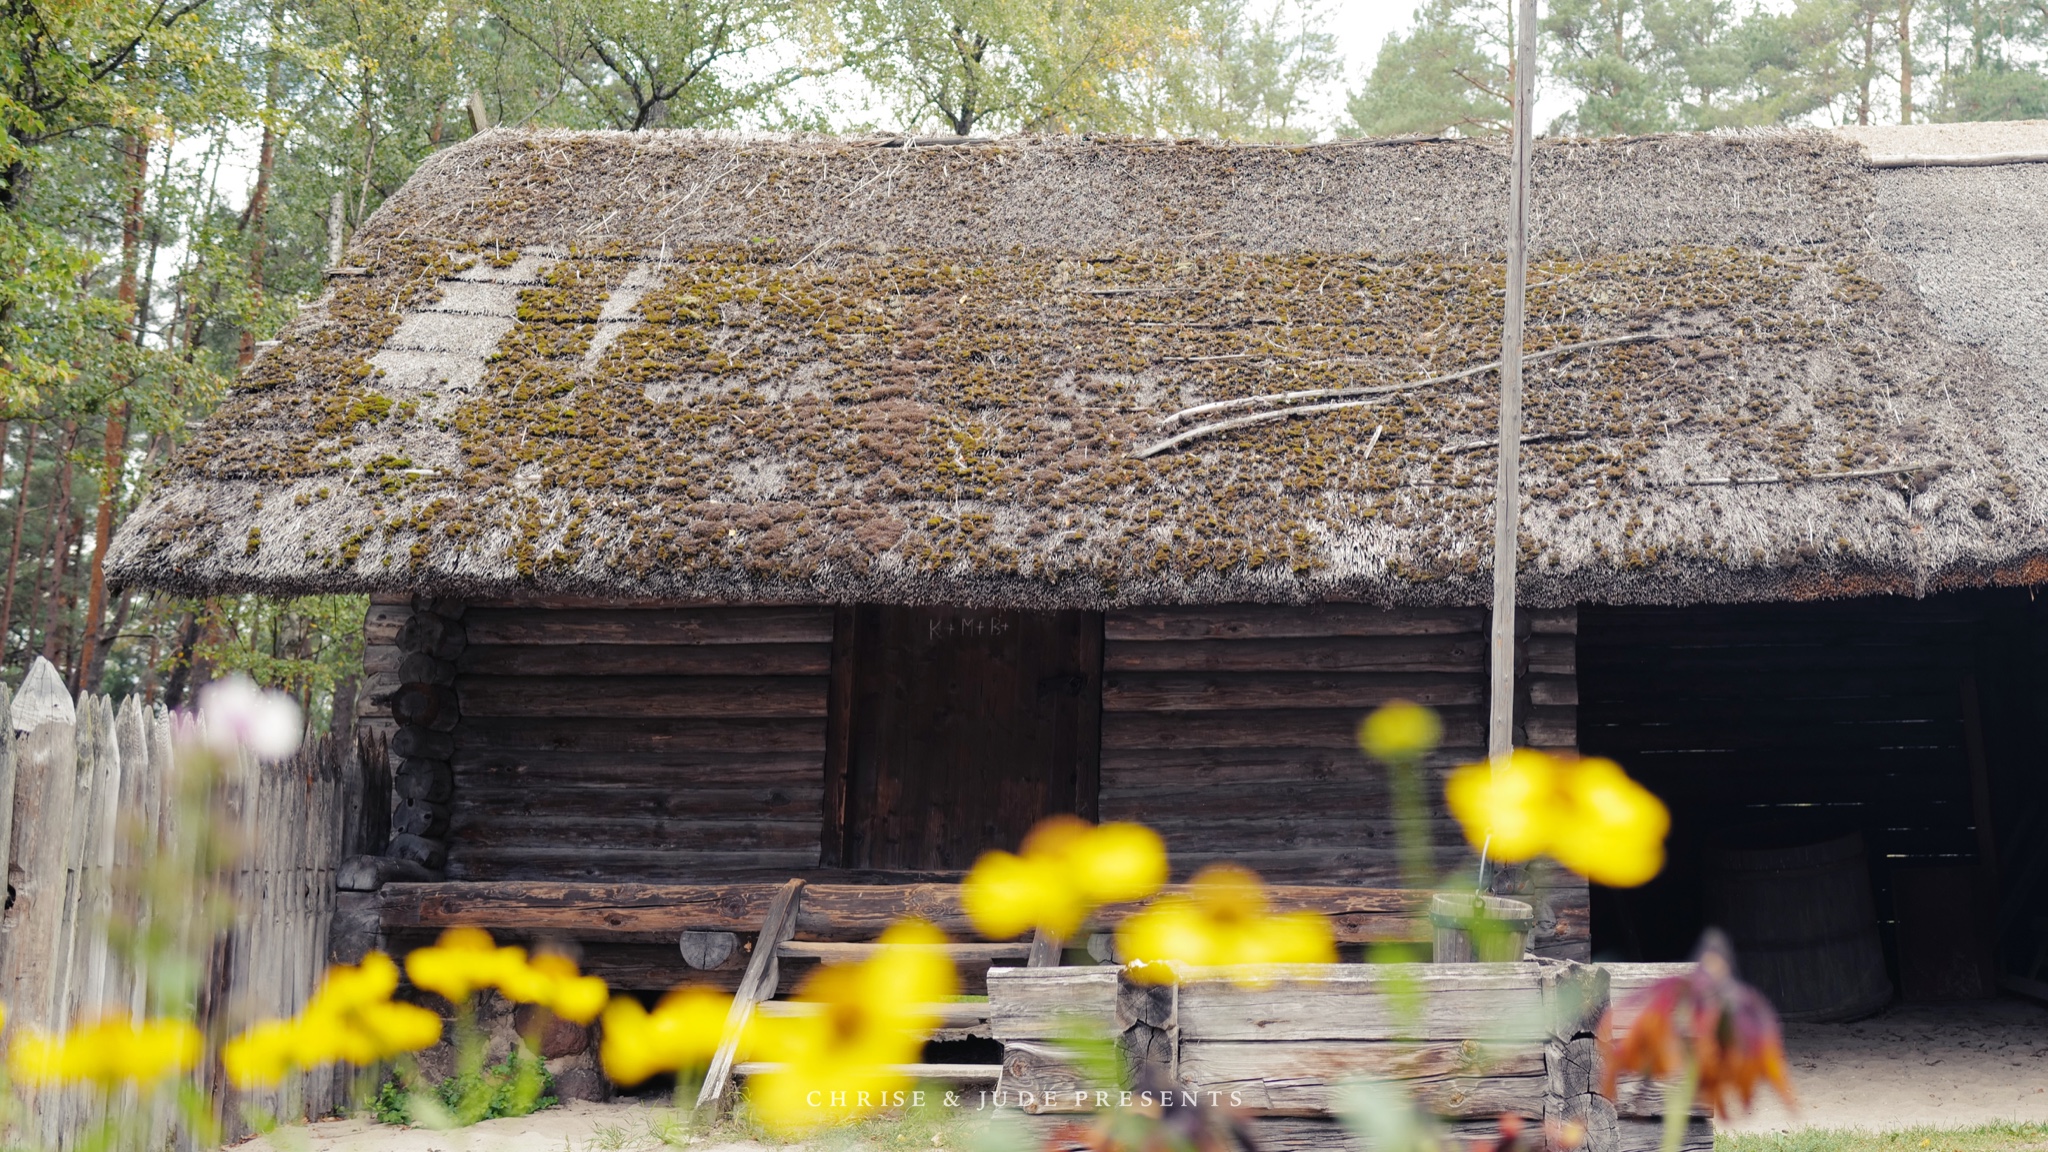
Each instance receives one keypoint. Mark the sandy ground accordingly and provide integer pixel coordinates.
(1953, 1064)
(1950, 1065)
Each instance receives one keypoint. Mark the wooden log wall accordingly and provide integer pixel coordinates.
(1233, 730)
(636, 744)
(1837, 715)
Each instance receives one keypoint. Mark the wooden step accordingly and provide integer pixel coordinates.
(968, 1073)
(838, 952)
(952, 1015)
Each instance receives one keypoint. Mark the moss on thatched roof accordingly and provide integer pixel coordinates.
(669, 365)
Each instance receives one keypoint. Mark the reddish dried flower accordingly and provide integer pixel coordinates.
(1707, 1020)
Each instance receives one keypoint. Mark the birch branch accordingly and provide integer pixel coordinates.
(1172, 442)
(1380, 389)
(1860, 473)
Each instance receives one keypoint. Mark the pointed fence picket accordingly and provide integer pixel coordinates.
(85, 786)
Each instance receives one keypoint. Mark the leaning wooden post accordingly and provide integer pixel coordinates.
(1500, 727)
(45, 723)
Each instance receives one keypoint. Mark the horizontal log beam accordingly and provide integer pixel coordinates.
(692, 697)
(1259, 621)
(1456, 653)
(647, 659)
(790, 625)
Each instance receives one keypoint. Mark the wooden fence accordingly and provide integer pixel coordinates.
(88, 797)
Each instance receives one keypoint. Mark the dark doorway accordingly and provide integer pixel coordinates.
(953, 730)
(1915, 723)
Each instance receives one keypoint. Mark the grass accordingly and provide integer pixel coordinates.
(2009, 1136)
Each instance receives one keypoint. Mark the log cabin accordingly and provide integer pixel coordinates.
(739, 508)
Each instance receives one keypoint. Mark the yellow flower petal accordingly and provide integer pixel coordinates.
(1005, 896)
(1400, 732)
(1518, 804)
(1117, 861)
(1615, 828)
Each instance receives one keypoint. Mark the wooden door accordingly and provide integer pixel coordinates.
(953, 730)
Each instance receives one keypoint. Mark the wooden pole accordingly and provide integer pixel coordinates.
(1500, 726)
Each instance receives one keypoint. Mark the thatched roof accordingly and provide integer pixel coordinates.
(669, 365)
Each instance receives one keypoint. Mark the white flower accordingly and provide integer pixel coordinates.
(235, 714)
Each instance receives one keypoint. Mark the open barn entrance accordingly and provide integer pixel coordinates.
(1917, 725)
(954, 730)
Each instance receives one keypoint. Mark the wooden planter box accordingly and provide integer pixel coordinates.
(1471, 1041)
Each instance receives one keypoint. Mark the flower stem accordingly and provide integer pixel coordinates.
(1678, 1106)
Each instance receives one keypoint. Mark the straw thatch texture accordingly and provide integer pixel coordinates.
(673, 365)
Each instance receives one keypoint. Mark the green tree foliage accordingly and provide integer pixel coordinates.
(1447, 74)
(636, 64)
(1036, 65)
(1239, 73)
(1992, 66)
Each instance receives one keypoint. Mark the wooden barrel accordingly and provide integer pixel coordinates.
(1468, 927)
(1801, 918)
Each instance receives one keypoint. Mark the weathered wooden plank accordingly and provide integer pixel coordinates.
(777, 925)
(481, 831)
(381, 659)
(678, 771)
(851, 951)
(1299, 727)
(646, 659)
(1159, 769)
(1496, 1003)
(1047, 1003)
(383, 620)
(1461, 1078)
(830, 911)
(702, 797)
(1254, 621)
(1359, 691)
(575, 735)
(1552, 621)
(1453, 653)
(1552, 689)
(1260, 728)
(1553, 655)
(597, 865)
(693, 697)
(750, 625)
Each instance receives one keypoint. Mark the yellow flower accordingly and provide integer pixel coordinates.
(1005, 896)
(1067, 868)
(1615, 832)
(465, 961)
(1512, 810)
(1225, 919)
(682, 1033)
(108, 1052)
(1586, 813)
(844, 1059)
(1400, 732)
(350, 1018)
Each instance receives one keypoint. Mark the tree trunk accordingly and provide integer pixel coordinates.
(60, 547)
(259, 196)
(28, 465)
(181, 665)
(114, 446)
(1905, 61)
(1869, 66)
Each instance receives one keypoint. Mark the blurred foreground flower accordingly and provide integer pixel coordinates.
(681, 1034)
(1065, 869)
(1585, 813)
(234, 714)
(110, 1052)
(350, 1019)
(1716, 1033)
(1400, 733)
(843, 1059)
(465, 961)
(1225, 919)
